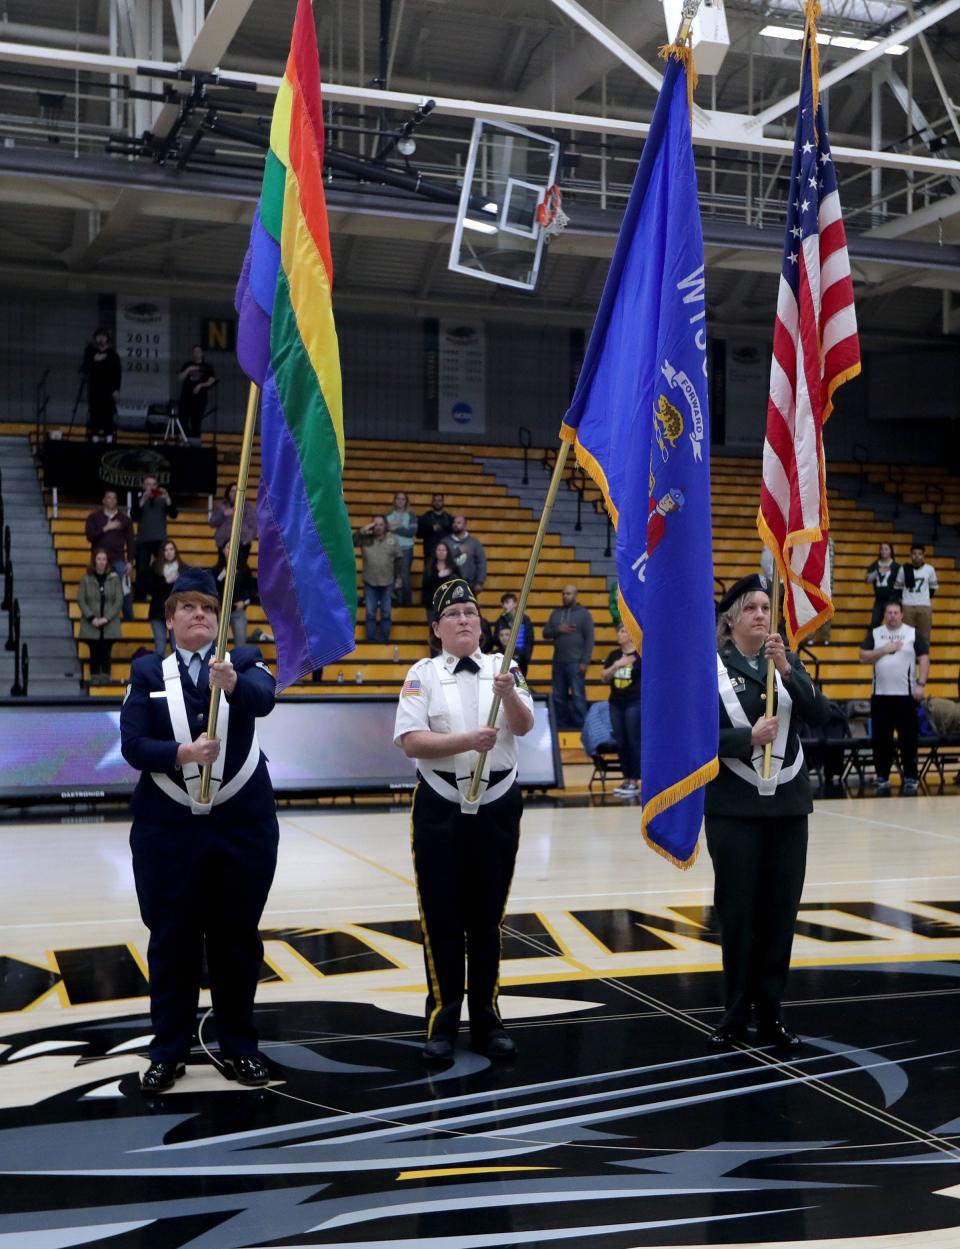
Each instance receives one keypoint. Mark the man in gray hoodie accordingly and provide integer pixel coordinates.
(469, 555)
(570, 628)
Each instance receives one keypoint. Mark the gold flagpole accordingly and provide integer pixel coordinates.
(689, 11)
(771, 670)
(246, 450)
(548, 503)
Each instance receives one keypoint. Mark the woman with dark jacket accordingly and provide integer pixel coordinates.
(882, 575)
(757, 827)
(162, 572)
(439, 567)
(100, 598)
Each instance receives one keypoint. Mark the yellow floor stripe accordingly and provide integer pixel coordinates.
(426, 1175)
(354, 854)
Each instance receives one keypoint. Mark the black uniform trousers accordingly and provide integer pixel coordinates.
(889, 712)
(202, 884)
(464, 866)
(758, 866)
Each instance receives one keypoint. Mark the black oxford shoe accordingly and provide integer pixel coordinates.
(159, 1077)
(249, 1069)
(725, 1038)
(495, 1045)
(779, 1036)
(437, 1050)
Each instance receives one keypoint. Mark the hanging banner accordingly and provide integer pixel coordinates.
(143, 344)
(462, 377)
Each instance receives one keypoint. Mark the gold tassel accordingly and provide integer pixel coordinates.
(812, 12)
(683, 52)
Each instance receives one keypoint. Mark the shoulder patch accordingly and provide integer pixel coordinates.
(261, 664)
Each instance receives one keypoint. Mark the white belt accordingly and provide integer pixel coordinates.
(453, 794)
(190, 797)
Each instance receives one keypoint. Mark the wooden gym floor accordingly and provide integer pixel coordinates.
(613, 1127)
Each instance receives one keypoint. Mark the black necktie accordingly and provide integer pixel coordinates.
(203, 680)
(467, 665)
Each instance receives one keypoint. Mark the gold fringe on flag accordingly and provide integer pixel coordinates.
(683, 52)
(811, 13)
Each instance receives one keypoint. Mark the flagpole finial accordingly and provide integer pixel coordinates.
(811, 12)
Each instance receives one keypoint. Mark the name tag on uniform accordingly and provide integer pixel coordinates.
(158, 693)
(739, 684)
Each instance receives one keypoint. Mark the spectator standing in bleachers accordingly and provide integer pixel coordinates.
(163, 571)
(469, 555)
(403, 525)
(436, 570)
(621, 671)
(525, 637)
(901, 661)
(382, 566)
(100, 599)
(103, 373)
(918, 583)
(244, 590)
(152, 508)
(433, 526)
(111, 528)
(221, 522)
(197, 379)
(882, 575)
(570, 628)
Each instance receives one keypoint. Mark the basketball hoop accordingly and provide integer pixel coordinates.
(549, 215)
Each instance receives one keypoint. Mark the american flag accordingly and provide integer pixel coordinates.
(815, 350)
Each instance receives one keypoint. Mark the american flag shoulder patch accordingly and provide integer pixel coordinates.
(411, 688)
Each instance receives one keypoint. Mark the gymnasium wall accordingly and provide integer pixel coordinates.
(529, 376)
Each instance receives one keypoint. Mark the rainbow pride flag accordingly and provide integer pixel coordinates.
(287, 345)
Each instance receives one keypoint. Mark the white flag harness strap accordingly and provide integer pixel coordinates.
(219, 792)
(465, 762)
(752, 773)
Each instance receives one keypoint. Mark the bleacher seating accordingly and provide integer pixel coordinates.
(374, 470)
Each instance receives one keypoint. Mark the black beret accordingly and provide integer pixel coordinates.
(456, 590)
(746, 585)
(196, 581)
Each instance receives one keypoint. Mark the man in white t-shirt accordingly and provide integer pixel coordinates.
(895, 649)
(918, 583)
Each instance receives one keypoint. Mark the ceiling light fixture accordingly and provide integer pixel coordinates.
(837, 41)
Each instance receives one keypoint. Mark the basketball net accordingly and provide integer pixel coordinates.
(549, 215)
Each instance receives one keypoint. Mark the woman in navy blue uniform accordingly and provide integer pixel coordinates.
(202, 871)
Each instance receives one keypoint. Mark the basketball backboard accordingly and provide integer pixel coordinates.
(507, 174)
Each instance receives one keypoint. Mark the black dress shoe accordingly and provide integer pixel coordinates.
(159, 1077)
(725, 1037)
(249, 1069)
(495, 1045)
(779, 1036)
(437, 1050)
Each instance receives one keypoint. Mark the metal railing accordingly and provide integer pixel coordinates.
(578, 482)
(7, 565)
(932, 493)
(43, 400)
(896, 476)
(861, 456)
(525, 439)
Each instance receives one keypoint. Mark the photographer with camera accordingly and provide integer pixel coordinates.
(152, 508)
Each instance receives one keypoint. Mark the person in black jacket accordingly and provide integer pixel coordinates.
(757, 828)
(202, 871)
(434, 526)
(525, 637)
(103, 373)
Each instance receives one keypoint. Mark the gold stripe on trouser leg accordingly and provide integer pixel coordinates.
(431, 969)
(503, 916)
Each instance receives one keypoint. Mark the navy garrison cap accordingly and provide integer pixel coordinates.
(196, 581)
(456, 590)
(746, 585)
